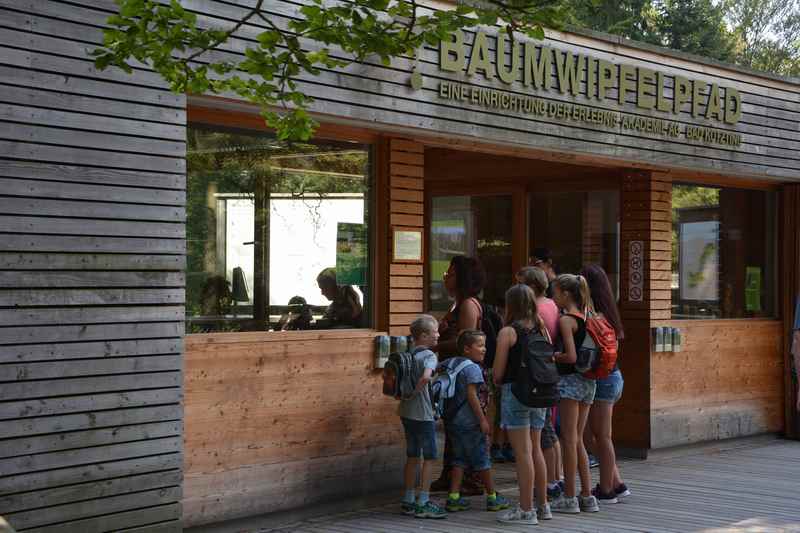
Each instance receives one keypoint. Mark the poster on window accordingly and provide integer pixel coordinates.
(699, 261)
(351, 254)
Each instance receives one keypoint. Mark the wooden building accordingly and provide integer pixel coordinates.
(151, 241)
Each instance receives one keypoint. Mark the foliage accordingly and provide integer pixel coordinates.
(280, 51)
(767, 33)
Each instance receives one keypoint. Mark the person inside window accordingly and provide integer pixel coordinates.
(345, 309)
(297, 316)
(542, 258)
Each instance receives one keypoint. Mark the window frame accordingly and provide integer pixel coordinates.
(375, 305)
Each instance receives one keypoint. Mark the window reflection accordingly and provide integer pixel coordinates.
(277, 233)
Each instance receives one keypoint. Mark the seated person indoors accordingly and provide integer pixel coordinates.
(467, 426)
(344, 310)
(297, 316)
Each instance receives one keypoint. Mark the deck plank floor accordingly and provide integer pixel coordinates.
(743, 489)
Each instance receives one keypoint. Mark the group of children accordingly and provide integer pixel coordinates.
(562, 321)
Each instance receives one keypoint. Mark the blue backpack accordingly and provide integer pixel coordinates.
(443, 390)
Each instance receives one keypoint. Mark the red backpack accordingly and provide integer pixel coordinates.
(605, 338)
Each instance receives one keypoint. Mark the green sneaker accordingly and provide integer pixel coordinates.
(498, 503)
(408, 508)
(430, 510)
(461, 504)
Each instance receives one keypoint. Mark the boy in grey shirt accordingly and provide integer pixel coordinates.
(416, 414)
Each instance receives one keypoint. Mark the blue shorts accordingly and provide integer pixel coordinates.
(516, 415)
(469, 448)
(610, 389)
(578, 388)
(420, 438)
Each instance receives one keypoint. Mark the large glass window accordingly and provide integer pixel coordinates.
(723, 252)
(277, 233)
(578, 228)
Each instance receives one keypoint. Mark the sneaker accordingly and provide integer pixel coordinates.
(544, 513)
(460, 504)
(508, 453)
(588, 504)
(610, 497)
(498, 503)
(443, 483)
(564, 504)
(554, 493)
(430, 510)
(622, 491)
(497, 454)
(518, 516)
(593, 462)
(408, 508)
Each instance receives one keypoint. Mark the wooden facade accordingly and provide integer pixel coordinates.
(92, 258)
(95, 431)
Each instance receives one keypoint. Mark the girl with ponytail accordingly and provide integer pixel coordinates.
(571, 294)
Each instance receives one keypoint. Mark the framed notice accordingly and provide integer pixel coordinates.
(406, 245)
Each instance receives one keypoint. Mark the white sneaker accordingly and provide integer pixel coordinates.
(543, 512)
(564, 504)
(588, 504)
(518, 516)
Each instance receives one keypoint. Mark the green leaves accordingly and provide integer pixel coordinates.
(198, 59)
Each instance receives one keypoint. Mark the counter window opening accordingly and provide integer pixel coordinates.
(277, 233)
(723, 252)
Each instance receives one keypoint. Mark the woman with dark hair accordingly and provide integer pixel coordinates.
(464, 281)
(609, 391)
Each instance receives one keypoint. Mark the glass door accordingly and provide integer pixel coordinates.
(479, 226)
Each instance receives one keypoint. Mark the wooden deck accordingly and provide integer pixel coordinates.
(752, 488)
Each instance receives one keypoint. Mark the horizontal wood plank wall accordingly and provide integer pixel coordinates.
(282, 420)
(92, 194)
(375, 94)
(726, 382)
(407, 207)
(645, 199)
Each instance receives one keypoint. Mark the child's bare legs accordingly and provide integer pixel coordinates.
(456, 477)
(539, 466)
(600, 425)
(569, 438)
(488, 480)
(521, 443)
(583, 457)
(410, 473)
(427, 474)
(550, 462)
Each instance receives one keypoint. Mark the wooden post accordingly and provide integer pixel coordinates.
(645, 234)
(407, 208)
(789, 290)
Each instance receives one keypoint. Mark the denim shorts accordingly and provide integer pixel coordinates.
(548, 432)
(578, 388)
(610, 389)
(469, 448)
(516, 415)
(420, 438)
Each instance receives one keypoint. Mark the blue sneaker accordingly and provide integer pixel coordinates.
(408, 508)
(553, 493)
(498, 503)
(430, 510)
(508, 453)
(460, 504)
(593, 462)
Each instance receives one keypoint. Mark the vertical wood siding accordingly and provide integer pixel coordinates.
(92, 243)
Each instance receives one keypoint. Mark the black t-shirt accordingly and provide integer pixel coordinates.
(550, 288)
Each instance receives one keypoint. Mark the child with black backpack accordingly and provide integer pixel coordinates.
(525, 368)
(466, 424)
(417, 416)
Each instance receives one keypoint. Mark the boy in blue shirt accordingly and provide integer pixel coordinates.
(466, 424)
(416, 414)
